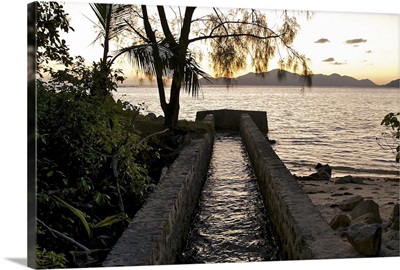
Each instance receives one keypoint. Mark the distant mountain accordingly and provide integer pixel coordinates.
(393, 84)
(292, 79)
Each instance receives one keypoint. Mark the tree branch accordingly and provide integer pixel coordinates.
(164, 24)
(63, 236)
(187, 21)
(232, 35)
(222, 23)
(151, 135)
(137, 32)
(157, 61)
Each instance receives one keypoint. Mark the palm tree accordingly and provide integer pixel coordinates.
(161, 47)
(151, 57)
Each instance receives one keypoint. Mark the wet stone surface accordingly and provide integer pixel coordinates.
(231, 224)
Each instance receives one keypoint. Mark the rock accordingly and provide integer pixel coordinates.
(349, 179)
(392, 235)
(391, 240)
(368, 218)
(366, 238)
(340, 221)
(395, 225)
(396, 211)
(350, 203)
(394, 220)
(344, 180)
(151, 188)
(324, 172)
(364, 207)
(323, 168)
(164, 171)
(151, 116)
(357, 180)
(393, 245)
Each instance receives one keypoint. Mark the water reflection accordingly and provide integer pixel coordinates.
(231, 224)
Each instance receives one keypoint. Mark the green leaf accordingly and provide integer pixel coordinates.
(81, 215)
(111, 220)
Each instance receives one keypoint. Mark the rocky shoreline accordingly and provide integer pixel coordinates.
(361, 210)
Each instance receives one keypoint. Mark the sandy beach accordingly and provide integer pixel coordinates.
(327, 195)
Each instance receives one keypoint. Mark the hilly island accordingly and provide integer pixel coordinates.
(271, 78)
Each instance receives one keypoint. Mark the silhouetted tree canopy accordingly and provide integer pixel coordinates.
(162, 43)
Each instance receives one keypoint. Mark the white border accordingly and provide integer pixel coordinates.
(13, 172)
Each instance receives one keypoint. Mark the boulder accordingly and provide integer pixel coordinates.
(324, 172)
(349, 179)
(396, 211)
(394, 220)
(364, 207)
(395, 225)
(350, 203)
(368, 218)
(151, 116)
(366, 238)
(324, 169)
(391, 240)
(340, 221)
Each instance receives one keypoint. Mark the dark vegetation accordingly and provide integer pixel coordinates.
(97, 161)
(97, 158)
(390, 139)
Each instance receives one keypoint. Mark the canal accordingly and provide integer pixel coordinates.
(231, 223)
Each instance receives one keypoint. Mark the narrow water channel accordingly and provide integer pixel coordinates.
(231, 224)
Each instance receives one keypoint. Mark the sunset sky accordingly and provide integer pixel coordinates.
(362, 45)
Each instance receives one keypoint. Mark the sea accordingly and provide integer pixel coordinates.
(328, 125)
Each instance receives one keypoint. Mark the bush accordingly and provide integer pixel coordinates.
(391, 137)
(89, 172)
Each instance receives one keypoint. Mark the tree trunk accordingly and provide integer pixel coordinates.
(171, 113)
(171, 110)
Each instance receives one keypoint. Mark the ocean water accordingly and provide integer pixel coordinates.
(335, 126)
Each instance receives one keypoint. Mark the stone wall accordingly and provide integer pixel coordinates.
(160, 228)
(304, 232)
(230, 119)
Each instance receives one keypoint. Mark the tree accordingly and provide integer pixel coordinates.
(50, 20)
(233, 37)
(107, 15)
(391, 138)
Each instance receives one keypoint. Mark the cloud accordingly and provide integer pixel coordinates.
(330, 59)
(322, 40)
(355, 41)
(368, 63)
